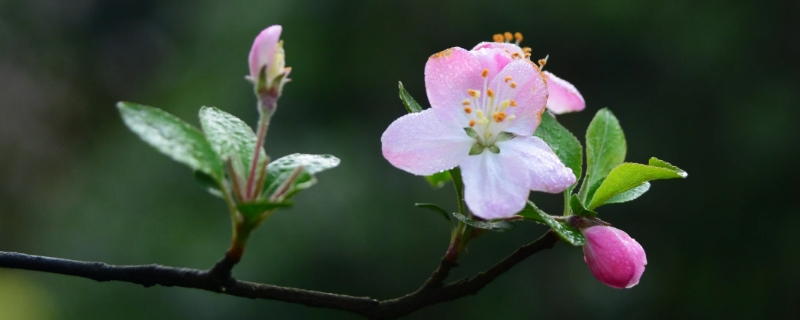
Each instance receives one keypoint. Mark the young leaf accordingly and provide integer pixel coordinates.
(565, 232)
(605, 149)
(283, 178)
(253, 210)
(231, 138)
(496, 226)
(578, 208)
(630, 195)
(563, 143)
(438, 180)
(409, 102)
(631, 175)
(173, 137)
(434, 208)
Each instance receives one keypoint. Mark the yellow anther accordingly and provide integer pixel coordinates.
(518, 36)
(499, 116)
(507, 79)
(516, 55)
(508, 36)
(513, 84)
(465, 103)
(513, 103)
(505, 104)
(474, 93)
(472, 123)
(511, 117)
(526, 49)
(498, 38)
(490, 93)
(480, 114)
(485, 73)
(527, 55)
(468, 110)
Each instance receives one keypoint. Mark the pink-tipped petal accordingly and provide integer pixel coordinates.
(421, 144)
(263, 49)
(495, 185)
(530, 95)
(547, 172)
(614, 258)
(563, 95)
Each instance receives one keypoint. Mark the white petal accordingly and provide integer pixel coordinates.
(547, 172)
(421, 144)
(495, 185)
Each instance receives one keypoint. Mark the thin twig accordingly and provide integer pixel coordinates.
(432, 292)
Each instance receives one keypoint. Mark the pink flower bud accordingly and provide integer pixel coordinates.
(263, 52)
(613, 256)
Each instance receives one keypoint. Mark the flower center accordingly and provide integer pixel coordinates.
(489, 111)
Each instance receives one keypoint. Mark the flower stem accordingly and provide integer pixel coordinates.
(457, 237)
(263, 124)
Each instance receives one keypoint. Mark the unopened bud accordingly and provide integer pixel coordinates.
(614, 258)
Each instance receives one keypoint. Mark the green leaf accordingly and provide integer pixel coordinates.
(173, 137)
(630, 195)
(411, 104)
(605, 149)
(231, 138)
(254, 210)
(666, 165)
(208, 183)
(562, 229)
(564, 144)
(439, 179)
(578, 208)
(434, 208)
(280, 183)
(631, 175)
(496, 226)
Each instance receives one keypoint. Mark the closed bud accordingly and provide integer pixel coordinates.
(614, 258)
(268, 71)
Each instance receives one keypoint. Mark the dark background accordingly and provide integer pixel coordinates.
(710, 86)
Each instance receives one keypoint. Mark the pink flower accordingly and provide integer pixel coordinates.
(613, 256)
(267, 59)
(563, 98)
(485, 106)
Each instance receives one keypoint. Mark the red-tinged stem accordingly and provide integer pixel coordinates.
(263, 123)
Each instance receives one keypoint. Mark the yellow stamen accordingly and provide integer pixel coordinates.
(527, 55)
(507, 79)
(516, 55)
(512, 117)
(498, 38)
(499, 116)
(506, 103)
(508, 36)
(513, 103)
(490, 93)
(465, 103)
(513, 84)
(480, 115)
(518, 36)
(526, 50)
(472, 123)
(485, 73)
(474, 93)
(468, 110)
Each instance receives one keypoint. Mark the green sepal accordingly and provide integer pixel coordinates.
(578, 208)
(439, 179)
(504, 136)
(605, 149)
(564, 231)
(284, 174)
(434, 208)
(411, 105)
(565, 145)
(494, 149)
(471, 132)
(173, 137)
(496, 226)
(628, 176)
(476, 149)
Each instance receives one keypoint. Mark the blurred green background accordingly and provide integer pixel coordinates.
(711, 86)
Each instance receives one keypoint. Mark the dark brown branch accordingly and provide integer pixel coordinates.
(432, 292)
